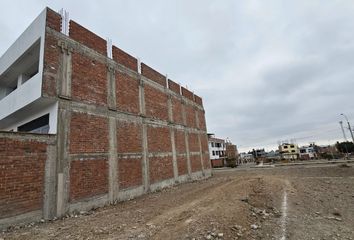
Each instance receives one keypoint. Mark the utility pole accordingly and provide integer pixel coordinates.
(350, 129)
(341, 126)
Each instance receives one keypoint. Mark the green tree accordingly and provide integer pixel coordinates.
(345, 147)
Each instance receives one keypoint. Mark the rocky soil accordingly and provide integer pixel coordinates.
(301, 202)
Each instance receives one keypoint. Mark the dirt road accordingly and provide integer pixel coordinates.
(303, 202)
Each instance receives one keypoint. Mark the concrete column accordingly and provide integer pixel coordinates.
(174, 154)
(187, 152)
(196, 117)
(141, 97)
(111, 96)
(201, 152)
(145, 158)
(113, 161)
(65, 75)
(63, 160)
(170, 109)
(184, 112)
(145, 161)
(50, 182)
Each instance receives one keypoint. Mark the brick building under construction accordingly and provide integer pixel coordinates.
(84, 124)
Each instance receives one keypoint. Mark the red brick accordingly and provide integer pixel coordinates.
(124, 58)
(182, 166)
(53, 20)
(21, 176)
(201, 119)
(159, 139)
(155, 103)
(88, 178)
(88, 38)
(217, 163)
(206, 161)
(89, 80)
(127, 93)
(129, 137)
(51, 65)
(88, 134)
(196, 164)
(198, 100)
(180, 142)
(177, 110)
(193, 142)
(204, 142)
(153, 75)
(190, 116)
(129, 172)
(188, 94)
(174, 86)
(161, 168)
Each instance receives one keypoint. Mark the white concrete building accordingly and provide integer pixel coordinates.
(246, 157)
(22, 104)
(217, 150)
(307, 152)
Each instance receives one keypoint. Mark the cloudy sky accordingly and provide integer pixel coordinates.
(267, 70)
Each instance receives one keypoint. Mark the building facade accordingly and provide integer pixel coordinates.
(289, 151)
(246, 158)
(307, 152)
(217, 151)
(85, 124)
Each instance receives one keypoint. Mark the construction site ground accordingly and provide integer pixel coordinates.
(294, 202)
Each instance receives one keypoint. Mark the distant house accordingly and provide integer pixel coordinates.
(232, 158)
(307, 152)
(273, 155)
(289, 151)
(217, 151)
(246, 157)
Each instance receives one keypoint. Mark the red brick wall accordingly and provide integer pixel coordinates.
(201, 118)
(190, 116)
(196, 164)
(206, 161)
(217, 163)
(161, 168)
(193, 142)
(198, 100)
(88, 133)
(204, 142)
(53, 20)
(177, 110)
(155, 103)
(52, 55)
(127, 93)
(88, 38)
(153, 75)
(89, 80)
(88, 178)
(124, 58)
(174, 86)
(159, 139)
(186, 93)
(129, 137)
(180, 142)
(129, 172)
(22, 165)
(182, 166)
